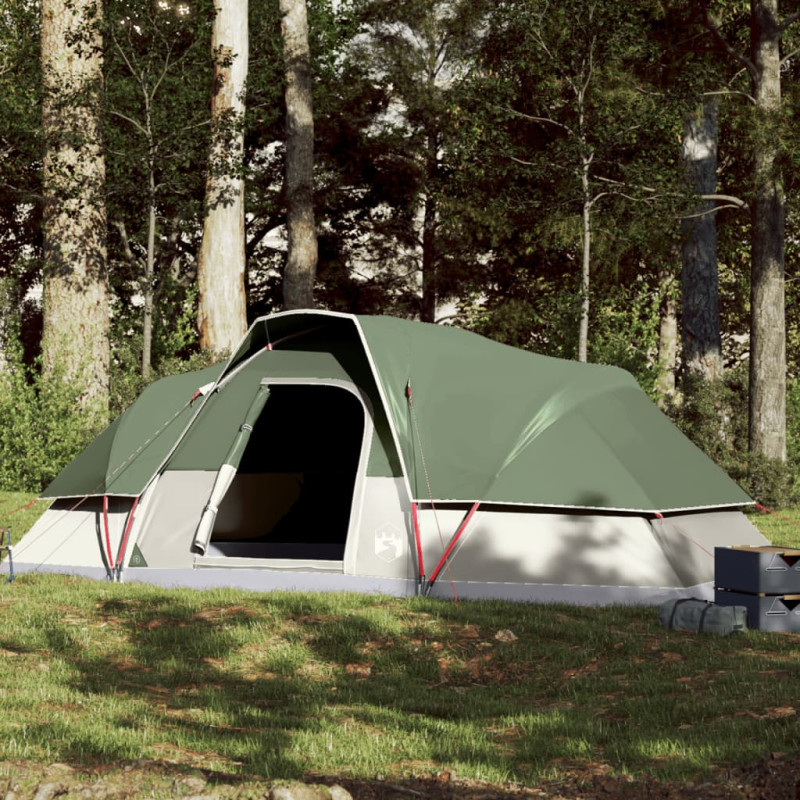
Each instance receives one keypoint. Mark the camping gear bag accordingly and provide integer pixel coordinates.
(702, 616)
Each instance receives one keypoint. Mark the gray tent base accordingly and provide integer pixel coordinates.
(267, 580)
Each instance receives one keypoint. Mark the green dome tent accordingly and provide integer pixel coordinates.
(347, 452)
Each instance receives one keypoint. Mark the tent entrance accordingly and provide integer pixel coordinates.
(292, 495)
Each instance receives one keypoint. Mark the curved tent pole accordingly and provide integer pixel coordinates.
(227, 471)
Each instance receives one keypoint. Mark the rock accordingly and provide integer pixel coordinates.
(505, 636)
(306, 791)
(59, 769)
(47, 791)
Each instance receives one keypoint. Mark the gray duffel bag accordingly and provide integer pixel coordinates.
(702, 616)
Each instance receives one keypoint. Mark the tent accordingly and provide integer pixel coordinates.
(375, 454)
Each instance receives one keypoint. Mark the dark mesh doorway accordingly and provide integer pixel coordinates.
(293, 491)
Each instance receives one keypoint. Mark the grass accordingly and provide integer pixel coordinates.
(284, 685)
(280, 685)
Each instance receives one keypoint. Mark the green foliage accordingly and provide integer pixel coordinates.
(42, 425)
(623, 327)
(713, 414)
(174, 348)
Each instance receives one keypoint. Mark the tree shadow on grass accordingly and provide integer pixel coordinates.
(284, 685)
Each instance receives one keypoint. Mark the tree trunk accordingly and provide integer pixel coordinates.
(586, 260)
(149, 269)
(702, 343)
(429, 257)
(767, 424)
(667, 340)
(222, 313)
(301, 265)
(75, 297)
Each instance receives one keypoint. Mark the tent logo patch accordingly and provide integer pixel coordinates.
(388, 542)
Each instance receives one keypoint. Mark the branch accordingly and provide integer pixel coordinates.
(731, 51)
(536, 119)
(624, 185)
(789, 56)
(126, 247)
(790, 20)
(734, 202)
(133, 122)
(708, 211)
(746, 95)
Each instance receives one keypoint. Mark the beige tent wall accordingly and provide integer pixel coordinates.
(71, 533)
(531, 547)
(382, 542)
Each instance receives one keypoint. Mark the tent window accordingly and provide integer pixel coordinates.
(292, 495)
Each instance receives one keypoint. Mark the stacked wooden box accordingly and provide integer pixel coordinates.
(766, 580)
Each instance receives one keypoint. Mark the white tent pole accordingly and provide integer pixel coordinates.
(227, 472)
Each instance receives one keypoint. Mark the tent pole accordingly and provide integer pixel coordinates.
(123, 545)
(227, 471)
(461, 528)
(418, 540)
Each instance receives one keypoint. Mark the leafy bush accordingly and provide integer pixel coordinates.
(42, 425)
(127, 382)
(714, 414)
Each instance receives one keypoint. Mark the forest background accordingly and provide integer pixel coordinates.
(612, 182)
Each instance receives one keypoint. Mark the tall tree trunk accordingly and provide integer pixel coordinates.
(667, 339)
(586, 260)
(700, 332)
(222, 312)
(429, 221)
(75, 298)
(767, 424)
(149, 269)
(301, 266)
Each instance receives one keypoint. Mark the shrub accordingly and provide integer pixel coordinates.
(42, 425)
(713, 414)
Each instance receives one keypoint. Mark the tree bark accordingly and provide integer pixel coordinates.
(429, 223)
(75, 302)
(767, 421)
(222, 311)
(586, 261)
(667, 340)
(700, 332)
(301, 265)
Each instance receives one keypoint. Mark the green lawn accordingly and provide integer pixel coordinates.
(282, 685)
(286, 684)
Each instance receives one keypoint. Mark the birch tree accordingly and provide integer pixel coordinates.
(562, 77)
(222, 312)
(75, 298)
(155, 60)
(301, 264)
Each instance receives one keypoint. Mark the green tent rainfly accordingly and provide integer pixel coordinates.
(339, 451)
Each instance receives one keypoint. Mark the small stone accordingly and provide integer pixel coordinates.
(305, 791)
(47, 791)
(506, 635)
